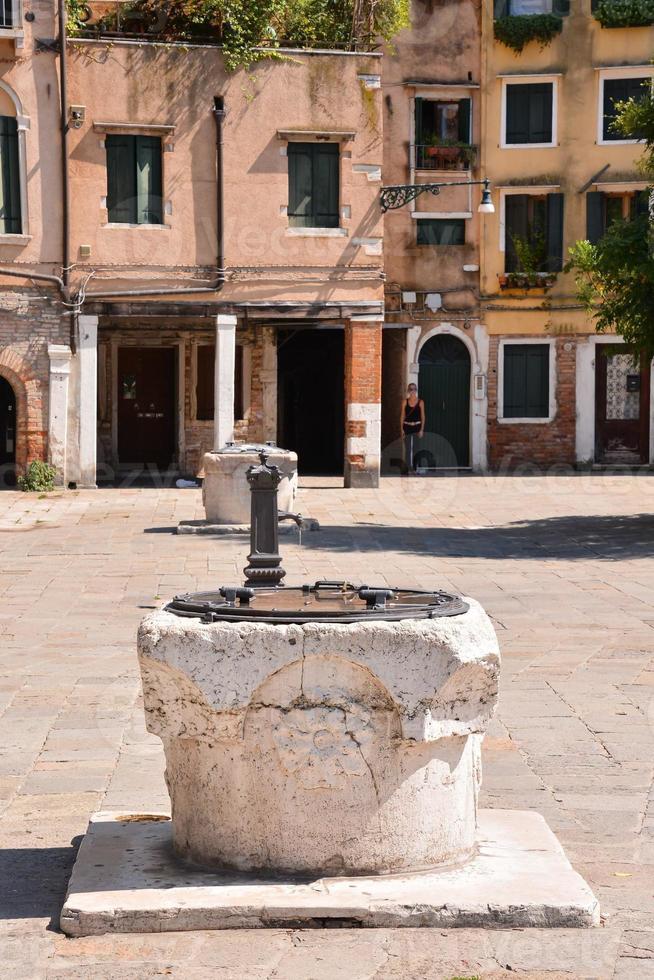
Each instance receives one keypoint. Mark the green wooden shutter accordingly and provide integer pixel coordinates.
(561, 7)
(149, 209)
(594, 216)
(500, 8)
(121, 178)
(325, 185)
(526, 381)
(554, 232)
(540, 112)
(516, 225)
(419, 103)
(300, 168)
(517, 114)
(7, 14)
(10, 213)
(640, 204)
(465, 131)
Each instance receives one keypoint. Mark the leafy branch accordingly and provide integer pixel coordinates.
(516, 31)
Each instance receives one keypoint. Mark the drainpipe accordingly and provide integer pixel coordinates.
(219, 116)
(65, 184)
(40, 276)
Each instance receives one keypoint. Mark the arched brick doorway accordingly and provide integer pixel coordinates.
(30, 435)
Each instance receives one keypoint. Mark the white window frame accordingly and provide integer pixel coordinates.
(629, 71)
(530, 80)
(543, 341)
(22, 125)
(535, 190)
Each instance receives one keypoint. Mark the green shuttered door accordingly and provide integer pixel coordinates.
(444, 386)
(313, 185)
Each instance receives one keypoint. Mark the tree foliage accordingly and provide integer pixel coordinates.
(249, 30)
(615, 277)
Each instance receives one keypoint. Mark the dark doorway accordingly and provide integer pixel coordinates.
(7, 434)
(146, 406)
(622, 395)
(444, 386)
(310, 393)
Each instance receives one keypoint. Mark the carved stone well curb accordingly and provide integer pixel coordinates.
(225, 491)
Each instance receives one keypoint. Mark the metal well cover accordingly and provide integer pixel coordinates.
(323, 602)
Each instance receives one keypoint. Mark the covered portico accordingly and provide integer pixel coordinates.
(172, 380)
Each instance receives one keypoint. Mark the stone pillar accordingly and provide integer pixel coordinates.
(88, 399)
(363, 352)
(269, 384)
(223, 424)
(60, 358)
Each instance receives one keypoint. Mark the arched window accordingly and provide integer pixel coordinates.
(13, 125)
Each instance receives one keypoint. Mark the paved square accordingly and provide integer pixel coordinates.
(563, 565)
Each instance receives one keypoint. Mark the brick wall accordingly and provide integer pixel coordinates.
(29, 320)
(542, 445)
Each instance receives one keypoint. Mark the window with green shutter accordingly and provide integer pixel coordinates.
(605, 209)
(526, 386)
(533, 233)
(620, 90)
(441, 231)
(10, 215)
(529, 111)
(313, 185)
(134, 186)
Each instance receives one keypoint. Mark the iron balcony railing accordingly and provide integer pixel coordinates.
(443, 157)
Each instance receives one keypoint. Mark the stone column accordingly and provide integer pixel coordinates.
(363, 352)
(269, 384)
(60, 358)
(88, 399)
(223, 418)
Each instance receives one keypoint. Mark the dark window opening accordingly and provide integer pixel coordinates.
(204, 382)
(618, 90)
(442, 126)
(6, 14)
(134, 181)
(529, 113)
(10, 212)
(518, 8)
(526, 386)
(313, 185)
(441, 231)
(533, 233)
(605, 209)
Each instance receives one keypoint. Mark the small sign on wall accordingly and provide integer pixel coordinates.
(633, 382)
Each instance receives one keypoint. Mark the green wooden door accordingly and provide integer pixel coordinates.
(444, 386)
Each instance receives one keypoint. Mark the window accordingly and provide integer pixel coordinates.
(617, 90)
(10, 214)
(441, 231)
(204, 383)
(516, 8)
(526, 381)
(313, 185)
(533, 232)
(441, 125)
(529, 114)
(134, 179)
(604, 209)
(6, 14)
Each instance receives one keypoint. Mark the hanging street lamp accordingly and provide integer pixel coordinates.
(398, 195)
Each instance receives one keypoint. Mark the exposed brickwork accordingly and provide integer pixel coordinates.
(542, 445)
(363, 345)
(29, 321)
(355, 428)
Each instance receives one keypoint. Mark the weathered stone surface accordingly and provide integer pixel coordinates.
(321, 747)
(126, 880)
(225, 490)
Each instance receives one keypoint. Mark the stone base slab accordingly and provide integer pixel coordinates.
(127, 879)
(206, 527)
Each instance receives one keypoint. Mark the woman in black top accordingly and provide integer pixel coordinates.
(413, 423)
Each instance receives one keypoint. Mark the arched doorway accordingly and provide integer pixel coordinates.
(444, 386)
(7, 434)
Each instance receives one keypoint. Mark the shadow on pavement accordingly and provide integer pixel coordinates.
(609, 538)
(34, 881)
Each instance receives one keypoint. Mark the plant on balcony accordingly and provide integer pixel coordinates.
(624, 13)
(531, 259)
(455, 151)
(249, 31)
(516, 31)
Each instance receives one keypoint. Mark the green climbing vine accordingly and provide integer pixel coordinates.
(624, 13)
(516, 32)
(249, 31)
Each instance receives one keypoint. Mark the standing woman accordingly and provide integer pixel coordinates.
(413, 424)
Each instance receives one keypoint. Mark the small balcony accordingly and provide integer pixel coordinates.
(443, 156)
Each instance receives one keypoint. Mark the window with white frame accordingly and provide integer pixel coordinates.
(529, 112)
(13, 182)
(616, 87)
(606, 208)
(518, 8)
(526, 381)
(532, 232)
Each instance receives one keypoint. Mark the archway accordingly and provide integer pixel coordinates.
(7, 434)
(444, 385)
